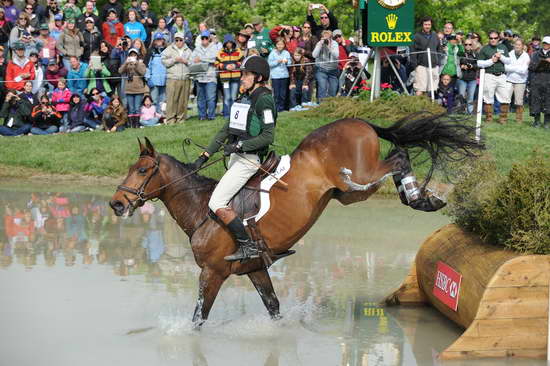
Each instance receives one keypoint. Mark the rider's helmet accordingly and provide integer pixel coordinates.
(258, 65)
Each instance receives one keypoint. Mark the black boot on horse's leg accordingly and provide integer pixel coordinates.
(246, 248)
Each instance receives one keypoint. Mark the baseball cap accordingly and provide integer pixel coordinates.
(158, 36)
(179, 35)
(205, 33)
(52, 62)
(58, 17)
(508, 33)
(44, 26)
(248, 25)
(257, 20)
(546, 39)
(89, 20)
(133, 50)
(18, 46)
(337, 32)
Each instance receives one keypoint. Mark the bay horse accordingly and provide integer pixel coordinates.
(339, 160)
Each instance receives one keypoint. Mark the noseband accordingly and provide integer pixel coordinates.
(140, 192)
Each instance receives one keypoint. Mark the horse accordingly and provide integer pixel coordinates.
(340, 160)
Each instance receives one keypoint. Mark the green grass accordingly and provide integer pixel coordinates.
(109, 154)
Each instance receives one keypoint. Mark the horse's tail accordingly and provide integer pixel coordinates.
(443, 137)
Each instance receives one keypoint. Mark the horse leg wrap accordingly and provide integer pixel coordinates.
(411, 195)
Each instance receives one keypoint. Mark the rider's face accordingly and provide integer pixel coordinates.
(247, 80)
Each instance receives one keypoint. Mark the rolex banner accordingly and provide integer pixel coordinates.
(390, 22)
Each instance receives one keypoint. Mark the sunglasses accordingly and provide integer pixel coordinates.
(203, 38)
(28, 8)
(324, 17)
(493, 37)
(306, 26)
(467, 44)
(179, 40)
(95, 93)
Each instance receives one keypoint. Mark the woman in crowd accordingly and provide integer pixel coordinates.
(163, 30)
(517, 72)
(20, 28)
(242, 42)
(76, 118)
(301, 76)
(61, 98)
(111, 63)
(454, 52)
(228, 62)
(156, 72)
(5, 30)
(307, 40)
(45, 118)
(97, 105)
(134, 70)
(38, 81)
(467, 82)
(34, 21)
(133, 28)
(181, 26)
(148, 114)
(97, 78)
(115, 116)
(70, 43)
(326, 54)
(71, 10)
(112, 28)
(57, 27)
(278, 61)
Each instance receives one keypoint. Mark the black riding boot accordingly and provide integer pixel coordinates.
(536, 122)
(246, 247)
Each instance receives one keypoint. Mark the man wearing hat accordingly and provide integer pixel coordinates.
(508, 39)
(19, 69)
(46, 45)
(57, 28)
(205, 55)
(176, 59)
(328, 20)
(112, 28)
(260, 37)
(540, 83)
(148, 19)
(86, 15)
(111, 5)
(92, 38)
(54, 73)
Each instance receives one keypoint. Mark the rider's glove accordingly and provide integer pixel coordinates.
(232, 148)
(200, 161)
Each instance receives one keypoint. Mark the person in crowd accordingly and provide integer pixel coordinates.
(342, 51)
(451, 65)
(20, 28)
(11, 11)
(27, 95)
(353, 75)
(328, 20)
(71, 10)
(111, 63)
(86, 14)
(326, 57)
(134, 70)
(97, 78)
(206, 54)
(201, 28)
(156, 72)
(148, 115)
(112, 28)
(534, 45)
(47, 46)
(445, 94)
(492, 57)
(517, 72)
(61, 97)
(139, 45)
(448, 29)
(95, 108)
(54, 73)
(30, 43)
(228, 62)
(120, 52)
(52, 9)
(5, 30)
(301, 77)
(38, 9)
(467, 82)
(34, 21)
(507, 39)
(45, 118)
(115, 5)
(133, 28)
(419, 61)
(180, 25)
(278, 61)
(285, 32)
(57, 27)
(19, 69)
(540, 83)
(115, 116)
(293, 44)
(148, 18)
(134, 5)
(16, 113)
(70, 43)
(77, 76)
(214, 40)
(241, 40)
(162, 29)
(38, 81)
(76, 117)
(92, 37)
(260, 37)
(307, 40)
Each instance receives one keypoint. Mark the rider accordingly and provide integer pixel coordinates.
(249, 132)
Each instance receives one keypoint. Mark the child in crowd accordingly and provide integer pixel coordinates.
(301, 75)
(278, 61)
(445, 94)
(45, 118)
(115, 116)
(149, 115)
(228, 62)
(60, 99)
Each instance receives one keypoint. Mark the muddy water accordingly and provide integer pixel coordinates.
(79, 286)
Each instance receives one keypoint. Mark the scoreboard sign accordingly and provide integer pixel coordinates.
(390, 22)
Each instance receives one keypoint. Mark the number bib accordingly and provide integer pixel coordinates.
(239, 116)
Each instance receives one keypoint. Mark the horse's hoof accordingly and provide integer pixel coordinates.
(276, 317)
(197, 325)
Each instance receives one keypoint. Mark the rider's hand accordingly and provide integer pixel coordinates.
(232, 148)
(197, 164)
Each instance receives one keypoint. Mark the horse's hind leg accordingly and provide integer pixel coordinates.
(262, 283)
(209, 286)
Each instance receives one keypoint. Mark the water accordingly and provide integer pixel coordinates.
(81, 286)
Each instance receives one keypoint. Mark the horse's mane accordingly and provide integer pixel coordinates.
(185, 168)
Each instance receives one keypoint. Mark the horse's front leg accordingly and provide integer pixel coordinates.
(262, 283)
(210, 282)
(407, 186)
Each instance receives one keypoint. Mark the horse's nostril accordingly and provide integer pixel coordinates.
(116, 205)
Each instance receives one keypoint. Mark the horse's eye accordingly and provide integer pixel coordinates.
(142, 170)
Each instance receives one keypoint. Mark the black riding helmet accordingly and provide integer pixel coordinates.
(257, 65)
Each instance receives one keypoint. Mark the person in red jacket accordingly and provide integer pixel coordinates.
(112, 28)
(19, 69)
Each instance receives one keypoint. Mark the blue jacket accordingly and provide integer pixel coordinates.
(77, 86)
(135, 30)
(279, 70)
(156, 71)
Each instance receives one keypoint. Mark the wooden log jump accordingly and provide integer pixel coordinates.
(503, 298)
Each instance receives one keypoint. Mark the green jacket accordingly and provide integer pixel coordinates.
(488, 51)
(452, 66)
(262, 131)
(262, 40)
(93, 74)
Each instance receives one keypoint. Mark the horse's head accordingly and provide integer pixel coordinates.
(141, 184)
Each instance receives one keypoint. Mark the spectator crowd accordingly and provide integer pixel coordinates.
(69, 68)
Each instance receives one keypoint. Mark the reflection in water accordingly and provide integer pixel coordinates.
(329, 291)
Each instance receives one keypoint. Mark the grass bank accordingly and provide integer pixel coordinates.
(100, 154)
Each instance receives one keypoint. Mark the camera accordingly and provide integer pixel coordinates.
(124, 43)
(326, 41)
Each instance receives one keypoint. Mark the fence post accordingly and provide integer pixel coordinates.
(432, 91)
(375, 85)
(480, 103)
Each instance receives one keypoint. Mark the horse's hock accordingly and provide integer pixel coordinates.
(503, 297)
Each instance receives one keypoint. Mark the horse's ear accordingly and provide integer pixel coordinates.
(150, 149)
(141, 147)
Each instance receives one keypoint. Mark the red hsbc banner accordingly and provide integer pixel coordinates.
(447, 285)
